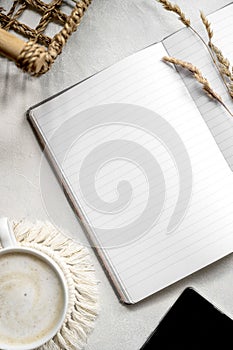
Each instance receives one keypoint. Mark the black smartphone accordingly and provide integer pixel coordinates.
(192, 323)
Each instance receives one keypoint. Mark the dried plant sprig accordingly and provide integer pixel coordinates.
(171, 7)
(176, 9)
(231, 88)
(224, 67)
(200, 78)
(221, 59)
(216, 55)
(207, 25)
(1, 9)
(197, 75)
(222, 64)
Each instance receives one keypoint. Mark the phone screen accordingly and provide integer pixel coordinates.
(192, 323)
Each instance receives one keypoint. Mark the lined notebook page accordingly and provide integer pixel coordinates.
(186, 46)
(131, 144)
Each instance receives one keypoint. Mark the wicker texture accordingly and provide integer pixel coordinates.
(40, 51)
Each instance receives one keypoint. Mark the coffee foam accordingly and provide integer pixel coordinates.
(31, 299)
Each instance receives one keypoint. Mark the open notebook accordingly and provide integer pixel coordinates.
(140, 165)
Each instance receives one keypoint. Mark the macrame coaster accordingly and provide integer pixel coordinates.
(75, 262)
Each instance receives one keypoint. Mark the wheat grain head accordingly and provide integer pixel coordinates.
(176, 9)
(197, 75)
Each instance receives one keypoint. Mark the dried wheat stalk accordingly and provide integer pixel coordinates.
(222, 63)
(176, 9)
(199, 77)
(221, 59)
(207, 25)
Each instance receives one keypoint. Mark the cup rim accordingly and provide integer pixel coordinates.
(56, 268)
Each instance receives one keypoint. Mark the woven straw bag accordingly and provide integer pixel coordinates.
(36, 55)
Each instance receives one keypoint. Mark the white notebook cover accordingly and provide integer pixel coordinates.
(143, 172)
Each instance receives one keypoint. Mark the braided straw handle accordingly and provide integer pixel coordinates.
(60, 39)
(36, 59)
(12, 47)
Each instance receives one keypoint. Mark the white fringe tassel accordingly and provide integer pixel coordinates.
(74, 260)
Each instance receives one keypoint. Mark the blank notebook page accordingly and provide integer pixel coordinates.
(144, 170)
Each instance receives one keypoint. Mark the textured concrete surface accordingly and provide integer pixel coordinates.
(110, 31)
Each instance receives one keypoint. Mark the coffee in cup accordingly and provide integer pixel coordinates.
(33, 296)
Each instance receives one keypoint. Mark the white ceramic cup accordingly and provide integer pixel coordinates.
(33, 295)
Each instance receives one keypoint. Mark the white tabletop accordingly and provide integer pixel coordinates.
(110, 31)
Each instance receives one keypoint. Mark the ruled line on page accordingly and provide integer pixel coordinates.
(219, 239)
